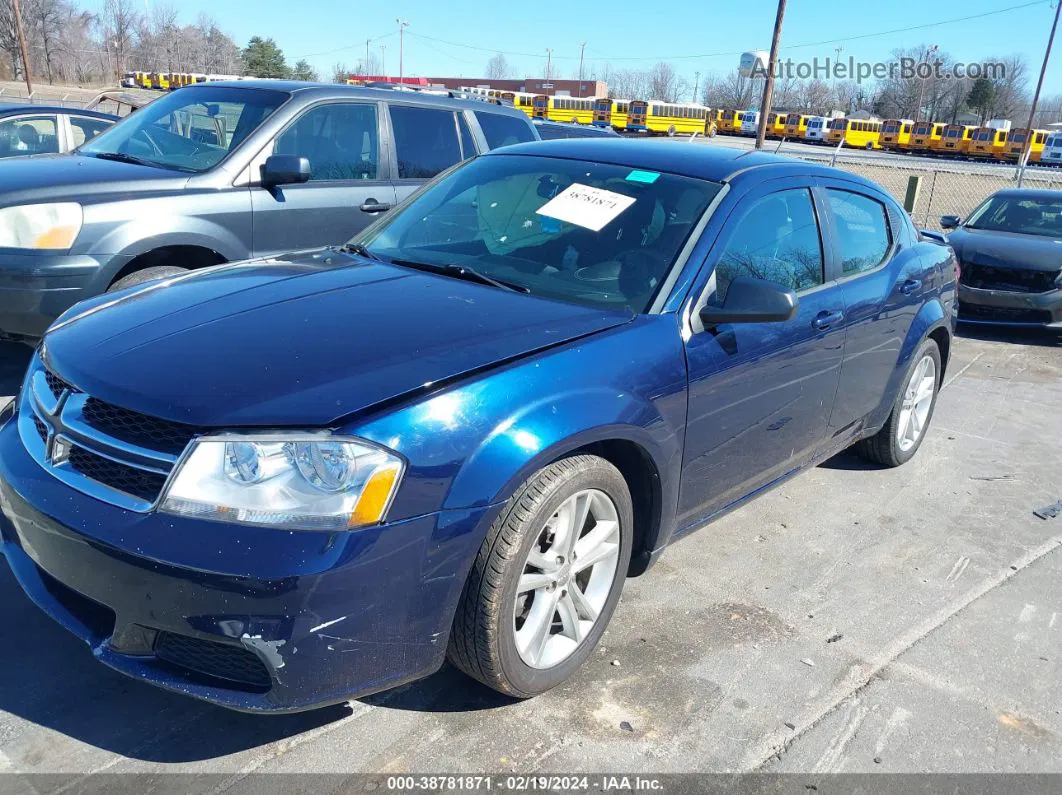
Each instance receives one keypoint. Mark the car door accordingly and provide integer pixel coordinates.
(882, 279)
(760, 394)
(29, 134)
(349, 183)
(427, 141)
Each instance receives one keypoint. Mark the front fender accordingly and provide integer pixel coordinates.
(473, 443)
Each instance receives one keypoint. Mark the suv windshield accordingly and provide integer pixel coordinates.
(189, 130)
(1027, 216)
(591, 233)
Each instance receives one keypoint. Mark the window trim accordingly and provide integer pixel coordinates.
(477, 134)
(835, 267)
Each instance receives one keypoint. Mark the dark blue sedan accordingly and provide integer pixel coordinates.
(275, 485)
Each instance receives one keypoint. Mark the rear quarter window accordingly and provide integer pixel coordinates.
(501, 130)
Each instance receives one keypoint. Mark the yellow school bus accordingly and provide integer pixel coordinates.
(856, 133)
(895, 134)
(611, 112)
(728, 122)
(540, 105)
(521, 100)
(925, 136)
(796, 124)
(160, 81)
(1016, 143)
(775, 125)
(571, 109)
(675, 118)
(988, 142)
(955, 139)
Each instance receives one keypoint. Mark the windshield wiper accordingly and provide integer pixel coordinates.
(122, 157)
(463, 272)
(360, 250)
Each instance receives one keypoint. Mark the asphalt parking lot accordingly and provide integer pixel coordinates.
(854, 620)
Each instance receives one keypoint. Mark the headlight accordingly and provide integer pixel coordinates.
(290, 481)
(41, 226)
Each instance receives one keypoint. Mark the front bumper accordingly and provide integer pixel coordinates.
(36, 288)
(1009, 308)
(288, 621)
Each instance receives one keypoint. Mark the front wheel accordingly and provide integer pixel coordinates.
(546, 579)
(902, 435)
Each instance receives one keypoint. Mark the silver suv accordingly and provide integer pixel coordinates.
(220, 172)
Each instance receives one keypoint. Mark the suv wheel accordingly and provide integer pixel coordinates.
(547, 578)
(146, 275)
(898, 441)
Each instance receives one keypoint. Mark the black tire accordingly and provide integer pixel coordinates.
(883, 447)
(482, 641)
(146, 275)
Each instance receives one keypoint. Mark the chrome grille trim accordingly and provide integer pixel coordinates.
(64, 417)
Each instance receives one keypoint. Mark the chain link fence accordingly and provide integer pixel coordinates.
(955, 188)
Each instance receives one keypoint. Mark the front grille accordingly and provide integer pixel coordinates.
(1002, 314)
(232, 664)
(1017, 280)
(139, 429)
(56, 385)
(42, 429)
(121, 477)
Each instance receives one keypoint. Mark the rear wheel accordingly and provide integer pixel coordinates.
(671, 131)
(902, 435)
(546, 579)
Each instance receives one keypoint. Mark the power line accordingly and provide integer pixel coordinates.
(923, 26)
(346, 47)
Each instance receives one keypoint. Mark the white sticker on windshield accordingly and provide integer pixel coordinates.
(584, 206)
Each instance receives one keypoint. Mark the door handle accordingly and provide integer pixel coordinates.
(825, 319)
(373, 206)
(910, 286)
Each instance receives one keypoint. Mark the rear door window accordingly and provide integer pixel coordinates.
(502, 130)
(85, 128)
(861, 227)
(425, 141)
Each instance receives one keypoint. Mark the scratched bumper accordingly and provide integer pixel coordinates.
(325, 617)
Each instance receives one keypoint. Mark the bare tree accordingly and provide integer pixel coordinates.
(663, 82)
(120, 21)
(498, 68)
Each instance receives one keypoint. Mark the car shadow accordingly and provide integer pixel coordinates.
(53, 681)
(1046, 338)
(849, 461)
(14, 358)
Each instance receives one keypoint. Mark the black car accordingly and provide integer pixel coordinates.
(552, 130)
(1010, 252)
(41, 129)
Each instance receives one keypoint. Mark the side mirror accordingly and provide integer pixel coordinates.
(751, 300)
(950, 221)
(285, 170)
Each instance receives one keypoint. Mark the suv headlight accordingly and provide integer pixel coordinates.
(41, 226)
(289, 481)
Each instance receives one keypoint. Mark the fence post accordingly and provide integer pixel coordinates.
(910, 199)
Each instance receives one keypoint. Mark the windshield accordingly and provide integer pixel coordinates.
(1027, 216)
(190, 130)
(594, 234)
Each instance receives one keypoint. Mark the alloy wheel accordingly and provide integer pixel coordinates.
(917, 401)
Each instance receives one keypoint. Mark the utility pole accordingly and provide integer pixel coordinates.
(768, 83)
(22, 46)
(383, 61)
(696, 85)
(922, 90)
(117, 63)
(582, 49)
(402, 25)
(1039, 85)
(367, 42)
(549, 62)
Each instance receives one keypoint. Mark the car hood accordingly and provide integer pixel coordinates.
(1007, 249)
(304, 340)
(72, 177)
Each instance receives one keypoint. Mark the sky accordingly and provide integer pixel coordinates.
(628, 34)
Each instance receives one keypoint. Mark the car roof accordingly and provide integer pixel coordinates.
(312, 91)
(17, 110)
(702, 161)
